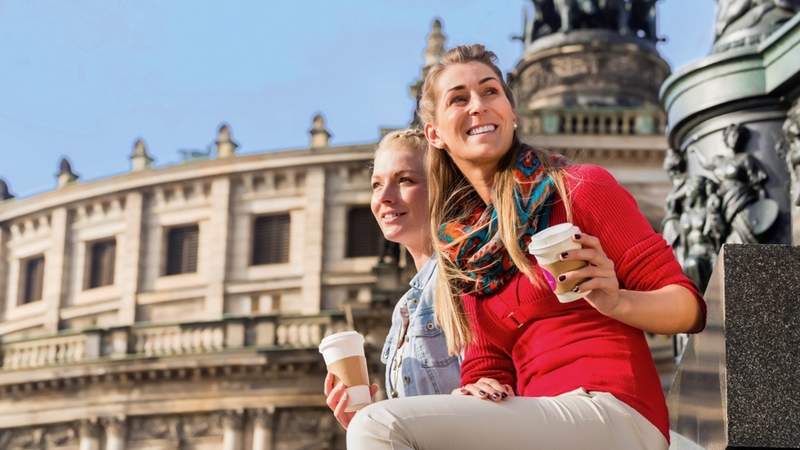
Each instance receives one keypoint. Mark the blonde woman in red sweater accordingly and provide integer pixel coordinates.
(537, 373)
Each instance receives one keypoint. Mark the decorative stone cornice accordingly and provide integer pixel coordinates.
(185, 172)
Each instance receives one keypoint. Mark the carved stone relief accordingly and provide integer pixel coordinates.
(316, 423)
(40, 438)
(726, 204)
(155, 427)
(791, 130)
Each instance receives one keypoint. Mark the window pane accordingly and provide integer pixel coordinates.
(271, 239)
(363, 235)
(34, 279)
(182, 249)
(101, 270)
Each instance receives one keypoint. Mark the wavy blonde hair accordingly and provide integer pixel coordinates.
(452, 198)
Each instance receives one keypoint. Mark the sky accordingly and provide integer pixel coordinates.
(85, 78)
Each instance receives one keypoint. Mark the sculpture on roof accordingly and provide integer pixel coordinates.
(637, 17)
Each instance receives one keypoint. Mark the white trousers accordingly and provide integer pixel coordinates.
(575, 420)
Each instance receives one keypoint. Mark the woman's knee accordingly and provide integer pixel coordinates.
(367, 423)
(375, 425)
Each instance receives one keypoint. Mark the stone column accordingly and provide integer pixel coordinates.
(55, 264)
(791, 130)
(90, 436)
(313, 239)
(262, 429)
(217, 247)
(232, 423)
(115, 433)
(129, 275)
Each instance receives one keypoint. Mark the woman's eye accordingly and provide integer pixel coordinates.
(375, 185)
(458, 99)
(491, 91)
(406, 180)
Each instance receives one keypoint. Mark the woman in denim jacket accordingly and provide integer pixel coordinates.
(415, 351)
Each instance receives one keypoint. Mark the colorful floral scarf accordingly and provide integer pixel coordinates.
(482, 256)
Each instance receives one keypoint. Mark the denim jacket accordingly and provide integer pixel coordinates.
(426, 367)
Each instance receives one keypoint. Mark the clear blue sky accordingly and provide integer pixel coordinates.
(84, 78)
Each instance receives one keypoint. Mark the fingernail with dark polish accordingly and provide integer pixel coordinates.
(495, 396)
(562, 277)
(577, 237)
(564, 255)
(464, 391)
(505, 395)
(576, 289)
(483, 394)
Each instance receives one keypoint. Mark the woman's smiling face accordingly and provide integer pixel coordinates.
(474, 120)
(400, 195)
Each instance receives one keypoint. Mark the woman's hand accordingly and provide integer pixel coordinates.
(486, 389)
(338, 400)
(599, 274)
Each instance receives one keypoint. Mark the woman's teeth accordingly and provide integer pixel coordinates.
(481, 129)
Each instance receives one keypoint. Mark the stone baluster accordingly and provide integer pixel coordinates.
(263, 429)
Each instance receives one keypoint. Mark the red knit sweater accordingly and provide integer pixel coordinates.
(547, 348)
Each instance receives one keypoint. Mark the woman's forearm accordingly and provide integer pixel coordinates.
(669, 310)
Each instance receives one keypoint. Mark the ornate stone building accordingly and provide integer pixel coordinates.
(181, 307)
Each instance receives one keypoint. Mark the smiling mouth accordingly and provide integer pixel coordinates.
(481, 129)
(390, 216)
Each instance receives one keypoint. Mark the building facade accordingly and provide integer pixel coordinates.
(181, 307)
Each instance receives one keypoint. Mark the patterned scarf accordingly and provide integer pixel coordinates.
(481, 254)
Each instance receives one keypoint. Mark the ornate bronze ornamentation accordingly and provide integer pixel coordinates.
(727, 203)
(791, 131)
(637, 17)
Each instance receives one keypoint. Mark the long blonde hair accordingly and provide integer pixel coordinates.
(452, 198)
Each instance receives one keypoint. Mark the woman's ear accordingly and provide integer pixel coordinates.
(432, 135)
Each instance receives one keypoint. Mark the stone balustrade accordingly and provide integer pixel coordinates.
(598, 122)
(159, 340)
(45, 352)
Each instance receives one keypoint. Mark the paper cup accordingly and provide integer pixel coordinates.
(546, 246)
(344, 356)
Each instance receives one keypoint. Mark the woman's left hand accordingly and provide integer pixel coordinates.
(599, 274)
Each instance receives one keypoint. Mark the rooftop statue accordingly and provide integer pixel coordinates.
(734, 15)
(637, 17)
(5, 192)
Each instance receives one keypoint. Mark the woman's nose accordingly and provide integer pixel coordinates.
(476, 104)
(387, 195)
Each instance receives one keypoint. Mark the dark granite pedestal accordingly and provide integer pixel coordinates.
(738, 382)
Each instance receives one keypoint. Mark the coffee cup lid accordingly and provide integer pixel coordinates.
(341, 345)
(551, 236)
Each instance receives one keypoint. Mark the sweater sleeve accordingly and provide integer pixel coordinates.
(483, 358)
(642, 258)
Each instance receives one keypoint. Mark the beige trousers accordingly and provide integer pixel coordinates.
(575, 420)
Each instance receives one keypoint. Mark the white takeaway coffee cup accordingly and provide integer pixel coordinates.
(344, 356)
(546, 246)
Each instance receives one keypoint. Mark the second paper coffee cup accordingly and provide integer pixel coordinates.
(547, 246)
(344, 357)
